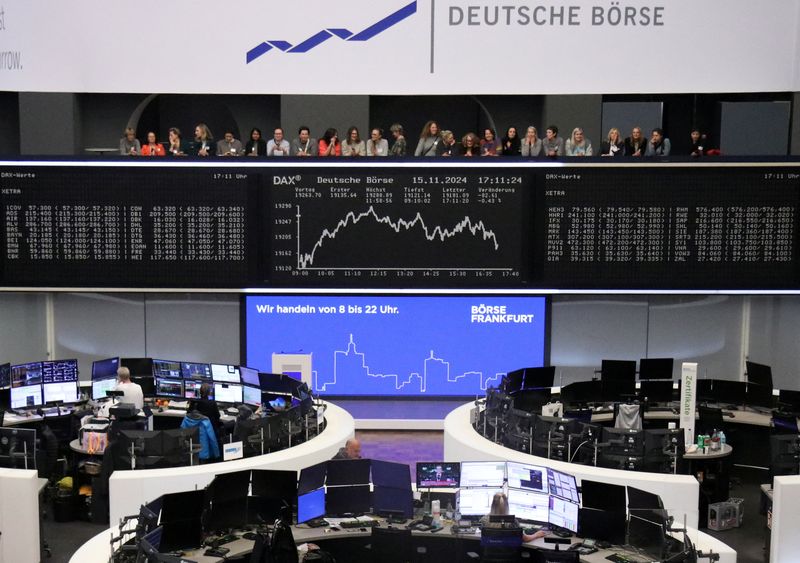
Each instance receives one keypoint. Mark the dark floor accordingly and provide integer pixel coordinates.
(412, 446)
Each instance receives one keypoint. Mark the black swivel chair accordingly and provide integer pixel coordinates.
(501, 545)
(391, 545)
(553, 556)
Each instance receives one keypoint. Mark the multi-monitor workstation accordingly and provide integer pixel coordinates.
(37, 383)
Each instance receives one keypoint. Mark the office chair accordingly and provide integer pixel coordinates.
(391, 545)
(628, 415)
(709, 419)
(501, 545)
(553, 556)
(781, 424)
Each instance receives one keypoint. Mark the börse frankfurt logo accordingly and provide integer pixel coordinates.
(341, 33)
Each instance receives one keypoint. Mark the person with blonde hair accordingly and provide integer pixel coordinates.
(129, 145)
(577, 144)
(203, 140)
(613, 145)
(531, 144)
(500, 508)
(451, 147)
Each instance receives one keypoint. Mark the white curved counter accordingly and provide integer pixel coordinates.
(128, 490)
(680, 493)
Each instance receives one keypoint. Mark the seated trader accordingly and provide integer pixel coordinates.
(351, 450)
(132, 391)
(207, 407)
(500, 508)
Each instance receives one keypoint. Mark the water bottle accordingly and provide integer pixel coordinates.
(722, 437)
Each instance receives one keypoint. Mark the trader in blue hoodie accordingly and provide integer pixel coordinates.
(209, 449)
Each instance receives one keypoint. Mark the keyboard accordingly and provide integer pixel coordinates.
(359, 524)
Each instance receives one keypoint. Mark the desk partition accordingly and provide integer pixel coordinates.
(19, 516)
(463, 443)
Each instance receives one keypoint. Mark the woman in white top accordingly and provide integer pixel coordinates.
(353, 145)
(377, 145)
(531, 144)
(577, 145)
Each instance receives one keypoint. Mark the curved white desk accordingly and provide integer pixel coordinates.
(128, 490)
(679, 493)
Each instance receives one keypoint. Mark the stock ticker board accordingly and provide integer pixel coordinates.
(359, 226)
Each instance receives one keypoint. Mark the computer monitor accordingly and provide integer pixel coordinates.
(149, 545)
(310, 505)
(348, 472)
(100, 386)
(438, 474)
(562, 485)
(705, 391)
(60, 381)
(563, 513)
(170, 388)
(26, 385)
(251, 395)
(277, 383)
(191, 389)
(139, 367)
(759, 396)
(603, 496)
(784, 454)
(347, 500)
(614, 390)
(387, 500)
(790, 400)
(759, 374)
(483, 473)
(513, 380)
(657, 391)
(656, 368)
(539, 377)
(5, 398)
(647, 536)
(476, 501)
(167, 369)
(228, 392)
(528, 506)
(249, 376)
(181, 515)
(271, 491)
(582, 392)
(5, 375)
(225, 373)
(195, 370)
(102, 369)
(618, 370)
(229, 486)
(311, 478)
(391, 474)
(601, 525)
(624, 441)
(730, 392)
(527, 477)
(18, 448)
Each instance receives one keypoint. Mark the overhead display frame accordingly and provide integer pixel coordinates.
(461, 226)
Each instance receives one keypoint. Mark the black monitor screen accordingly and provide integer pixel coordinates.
(618, 370)
(582, 392)
(139, 367)
(603, 496)
(539, 377)
(188, 505)
(347, 500)
(656, 368)
(172, 388)
(790, 399)
(249, 376)
(5, 398)
(614, 390)
(760, 395)
(5, 375)
(191, 370)
(759, 374)
(647, 536)
(705, 390)
(102, 369)
(602, 525)
(311, 478)
(274, 483)
(390, 474)
(513, 380)
(310, 505)
(386, 499)
(167, 368)
(657, 391)
(438, 474)
(730, 392)
(784, 454)
(182, 535)
(348, 472)
(229, 486)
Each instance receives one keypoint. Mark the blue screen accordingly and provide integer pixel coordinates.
(399, 345)
(310, 506)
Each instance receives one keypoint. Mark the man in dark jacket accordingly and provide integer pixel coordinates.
(351, 450)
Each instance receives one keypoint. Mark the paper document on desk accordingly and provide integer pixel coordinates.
(365, 518)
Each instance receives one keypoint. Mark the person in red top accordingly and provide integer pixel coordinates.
(329, 144)
(152, 148)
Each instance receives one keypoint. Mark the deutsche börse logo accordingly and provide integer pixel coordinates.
(341, 33)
